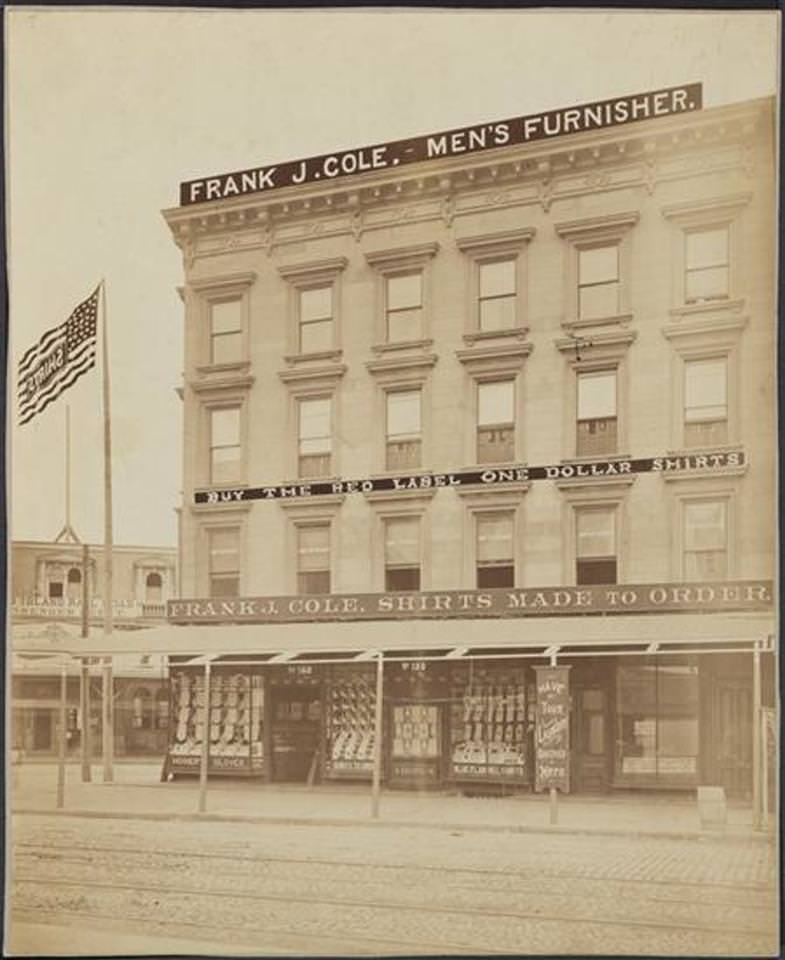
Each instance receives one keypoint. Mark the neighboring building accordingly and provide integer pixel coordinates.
(600, 304)
(46, 611)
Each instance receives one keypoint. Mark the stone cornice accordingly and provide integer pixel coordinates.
(637, 155)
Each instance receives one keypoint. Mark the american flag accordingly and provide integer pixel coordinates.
(59, 358)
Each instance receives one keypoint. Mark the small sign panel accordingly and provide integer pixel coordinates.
(552, 729)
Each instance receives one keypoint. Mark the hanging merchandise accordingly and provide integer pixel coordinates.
(489, 725)
(350, 721)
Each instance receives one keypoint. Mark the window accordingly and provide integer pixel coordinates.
(598, 282)
(403, 429)
(705, 540)
(497, 295)
(595, 535)
(316, 319)
(705, 402)
(597, 422)
(402, 553)
(153, 588)
(404, 307)
(142, 709)
(224, 562)
(226, 331)
(496, 421)
(74, 584)
(55, 589)
(313, 559)
(706, 265)
(657, 709)
(495, 563)
(315, 437)
(225, 456)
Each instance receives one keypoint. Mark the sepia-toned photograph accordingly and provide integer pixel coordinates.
(392, 442)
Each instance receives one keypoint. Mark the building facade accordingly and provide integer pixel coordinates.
(536, 376)
(46, 603)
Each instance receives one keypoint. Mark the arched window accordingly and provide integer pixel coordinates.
(74, 585)
(153, 588)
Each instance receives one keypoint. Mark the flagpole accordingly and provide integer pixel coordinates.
(68, 467)
(107, 685)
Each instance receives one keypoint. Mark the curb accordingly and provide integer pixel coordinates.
(683, 835)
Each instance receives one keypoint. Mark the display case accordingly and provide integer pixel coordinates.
(489, 726)
(235, 726)
(349, 723)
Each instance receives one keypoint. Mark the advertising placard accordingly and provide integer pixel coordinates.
(552, 729)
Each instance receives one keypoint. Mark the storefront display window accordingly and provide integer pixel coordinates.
(489, 725)
(657, 722)
(350, 723)
(415, 732)
(236, 713)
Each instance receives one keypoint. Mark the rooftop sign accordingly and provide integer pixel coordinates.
(743, 595)
(449, 143)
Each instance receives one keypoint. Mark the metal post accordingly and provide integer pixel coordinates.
(377, 738)
(764, 760)
(107, 721)
(84, 676)
(553, 801)
(61, 750)
(205, 741)
(756, 738)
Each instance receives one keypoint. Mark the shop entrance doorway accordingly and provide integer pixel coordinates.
(733, 723)
(590, 753)
(296, 710)
(42, 730)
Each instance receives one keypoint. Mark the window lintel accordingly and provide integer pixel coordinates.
(400, 258)
(611, 227)
(305, 274)
(224, 284)
(705, 212)
(495, 244)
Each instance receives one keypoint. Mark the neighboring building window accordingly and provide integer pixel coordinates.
(657, 707)
(706, 265)
(74, 584)
(224, 562)
(497, 295)
(316, 319)
(404, 307)
(595, 536)
(315, 437)
(705, 402)
(597, 419)
(153, 588)
(225, 458)
(598, 282)
(226, 331)
(55, 589)
(313, 558)
(402, 553)
(496, 421)
(705, 540)
(495, 563)
(404, 439)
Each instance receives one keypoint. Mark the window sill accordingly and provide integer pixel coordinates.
(315, 357)
(508, 333)
(614, 320)
(402, 361)
(724, 305)
(392, 346)
(236, 366)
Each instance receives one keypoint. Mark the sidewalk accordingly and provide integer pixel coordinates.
(137, 793)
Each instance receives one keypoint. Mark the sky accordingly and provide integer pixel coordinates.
(108, 109)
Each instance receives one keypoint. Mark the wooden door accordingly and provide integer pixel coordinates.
(591, 730)
(733, 737)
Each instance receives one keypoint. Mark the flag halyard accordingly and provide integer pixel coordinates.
(61, 356)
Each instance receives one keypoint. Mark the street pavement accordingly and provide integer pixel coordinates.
(97, 886)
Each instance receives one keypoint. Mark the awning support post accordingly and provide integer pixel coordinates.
(62, 742)
(377, 738)
(757, 740)
(205, 741)
(553, 803)
(84, 709)
(107, 722)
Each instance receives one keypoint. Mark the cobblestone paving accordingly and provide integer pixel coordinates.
(315, 890)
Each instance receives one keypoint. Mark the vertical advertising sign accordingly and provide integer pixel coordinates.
(552, 729)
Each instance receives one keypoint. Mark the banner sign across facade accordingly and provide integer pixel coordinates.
(491, 477)
(725, 595)
(539, 126)
(552, 729)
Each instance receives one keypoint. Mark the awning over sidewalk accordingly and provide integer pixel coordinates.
(596, 636)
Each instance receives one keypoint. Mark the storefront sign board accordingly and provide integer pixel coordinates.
(450, 143)
(552, 729)
(632, 598)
